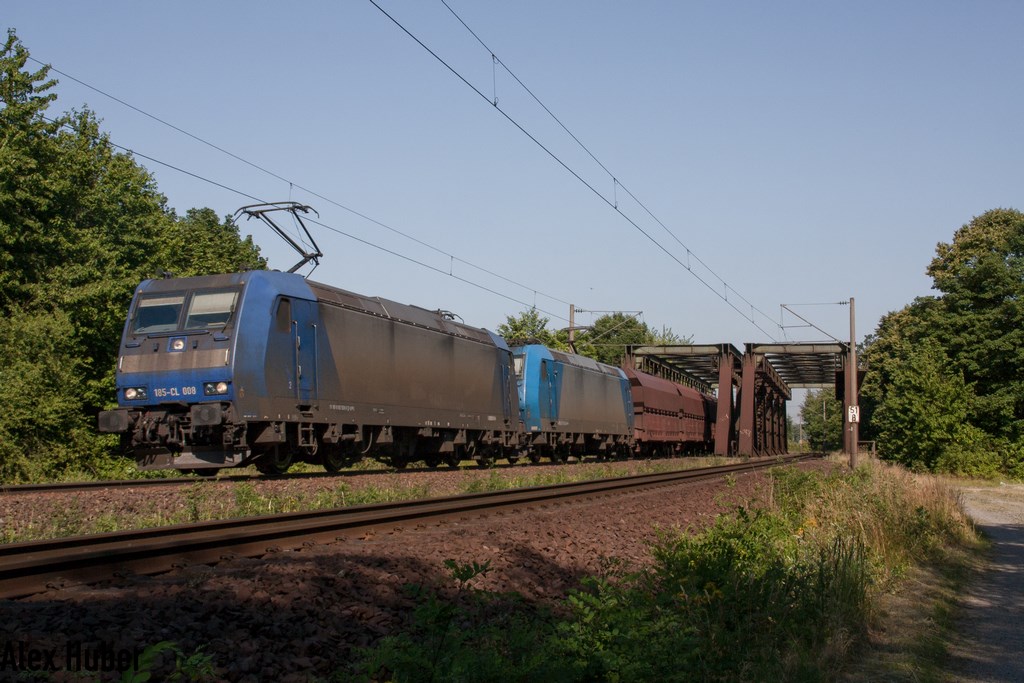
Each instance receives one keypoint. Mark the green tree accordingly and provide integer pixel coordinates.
(667, 337)
(530, 327)
(981, 277)
(106, 224)
(78, 222)
(923, 420)
(608, 337)
(794, 434)
(26, 145)
(80, 225)
(43, 424)
(200, 244)
(606, 340)
(822, 415)
(963, 410)
(885, 350)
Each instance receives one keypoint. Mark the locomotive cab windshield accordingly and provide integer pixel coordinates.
(211, 309)
(203, 310)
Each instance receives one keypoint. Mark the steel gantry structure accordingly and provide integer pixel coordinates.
(752, 386)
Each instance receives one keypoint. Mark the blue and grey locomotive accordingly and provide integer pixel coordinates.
(571, 405)
(266, 367)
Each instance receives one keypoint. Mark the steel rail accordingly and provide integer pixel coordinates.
(34, 566)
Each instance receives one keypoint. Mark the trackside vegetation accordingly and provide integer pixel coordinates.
(786, 591)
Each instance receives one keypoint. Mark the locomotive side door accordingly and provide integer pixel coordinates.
(304, 338)
(546, 397)
(279, 368)
(507, 391)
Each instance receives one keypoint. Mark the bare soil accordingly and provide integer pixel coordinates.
(989, 642)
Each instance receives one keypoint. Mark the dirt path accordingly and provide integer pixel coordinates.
(989, 645)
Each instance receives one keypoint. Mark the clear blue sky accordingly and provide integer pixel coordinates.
(805, 151)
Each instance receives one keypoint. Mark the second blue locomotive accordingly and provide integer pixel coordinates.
(571, 405)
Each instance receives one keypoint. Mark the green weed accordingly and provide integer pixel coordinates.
(197, 666)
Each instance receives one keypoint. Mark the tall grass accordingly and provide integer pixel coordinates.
(901, 517)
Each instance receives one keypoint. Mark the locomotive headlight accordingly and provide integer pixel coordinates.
(215, 388)
(135, 393)
(178, 345)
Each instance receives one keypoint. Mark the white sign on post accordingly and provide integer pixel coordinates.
(853, 414)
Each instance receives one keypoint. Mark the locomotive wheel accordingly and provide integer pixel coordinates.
(534, 457)
(432, 460)
(277, 460)
(455, 457)
(333, 459)
(459, 453)
(206, 472)
(486, 457)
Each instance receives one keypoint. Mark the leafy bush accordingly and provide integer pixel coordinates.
(471, 636)
(748, 580)
(979, 456)
(43, 428)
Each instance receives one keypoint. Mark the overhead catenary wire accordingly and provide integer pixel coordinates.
(808, 323)
(615, 181)
(331, 228)
(627, 317)
(452, 257)
(293, 185)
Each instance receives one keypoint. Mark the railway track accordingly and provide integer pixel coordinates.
(35, 566)
(71, 486)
